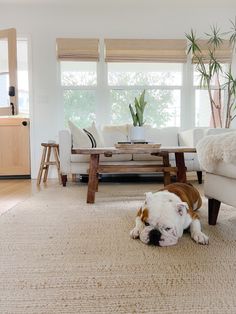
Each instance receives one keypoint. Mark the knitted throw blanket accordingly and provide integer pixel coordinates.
(215, 148)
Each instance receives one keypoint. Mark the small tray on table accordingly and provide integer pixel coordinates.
(128, 145)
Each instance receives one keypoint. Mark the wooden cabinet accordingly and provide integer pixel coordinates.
(14, 146)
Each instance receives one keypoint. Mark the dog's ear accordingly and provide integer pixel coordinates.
(181, 208)
(148, 195)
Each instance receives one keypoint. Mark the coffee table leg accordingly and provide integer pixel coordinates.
(93, 178)
(166, 163)
(181, 169)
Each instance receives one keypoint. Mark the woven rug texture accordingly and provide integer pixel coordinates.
(61, 255)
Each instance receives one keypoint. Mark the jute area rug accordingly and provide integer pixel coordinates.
(60, 255)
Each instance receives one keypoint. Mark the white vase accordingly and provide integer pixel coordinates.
(137, 134)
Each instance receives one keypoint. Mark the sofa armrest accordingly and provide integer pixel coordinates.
(191, 137)
(216, 131)
(65, 145)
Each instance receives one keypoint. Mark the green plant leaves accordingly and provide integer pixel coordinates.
(215, 39)
(134, 117)
(193, 47)
(137, 115)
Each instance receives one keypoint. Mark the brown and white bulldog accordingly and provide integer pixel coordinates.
(167, 213)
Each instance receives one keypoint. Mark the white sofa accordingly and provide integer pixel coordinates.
(111, 134)
(217, 155)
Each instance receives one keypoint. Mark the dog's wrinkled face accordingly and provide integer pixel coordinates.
(165, 220)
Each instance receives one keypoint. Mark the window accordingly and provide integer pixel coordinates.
(99, 84)
(79, 83)
(8, 66)
(22, 75)
(202, 102)
(8, 41)
(4, 73)
(162, 82)
(102, 91)
(78, 69)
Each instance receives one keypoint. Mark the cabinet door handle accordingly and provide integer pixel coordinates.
(24, 123)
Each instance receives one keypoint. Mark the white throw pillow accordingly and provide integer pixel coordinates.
(87, 137)
(79, 137)
(96, 138)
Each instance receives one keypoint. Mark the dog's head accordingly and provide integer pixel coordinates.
(164, 218)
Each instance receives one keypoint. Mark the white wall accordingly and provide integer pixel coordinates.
(44, 21)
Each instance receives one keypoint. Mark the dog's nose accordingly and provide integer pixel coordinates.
(154, 237)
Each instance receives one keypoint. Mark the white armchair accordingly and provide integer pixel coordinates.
(192, 137)
(217, 156)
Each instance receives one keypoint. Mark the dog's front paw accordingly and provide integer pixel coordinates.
(134, 233)
(200, 238)
(144, 235)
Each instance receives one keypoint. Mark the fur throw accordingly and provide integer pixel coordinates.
(215, 148)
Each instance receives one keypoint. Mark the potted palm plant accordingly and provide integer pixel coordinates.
(137, 110)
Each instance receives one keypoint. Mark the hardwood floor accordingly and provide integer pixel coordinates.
(15, 191)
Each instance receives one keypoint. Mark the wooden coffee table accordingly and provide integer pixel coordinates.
(95, 168)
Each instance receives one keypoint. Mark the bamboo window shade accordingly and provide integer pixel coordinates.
(145, 50)
(223, 53)
(77, 49)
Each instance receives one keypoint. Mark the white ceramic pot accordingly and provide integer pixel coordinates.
(137, 133)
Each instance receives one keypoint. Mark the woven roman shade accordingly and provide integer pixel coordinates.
(145, 50)
(77, 49)
(222, 54)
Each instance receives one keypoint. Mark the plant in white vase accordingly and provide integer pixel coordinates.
(137, 131)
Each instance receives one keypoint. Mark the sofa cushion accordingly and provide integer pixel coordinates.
(148, 157)
(117, 157)
(166, 136)
(85, 158)
(113, 134)
(74, 158)
(140, 157)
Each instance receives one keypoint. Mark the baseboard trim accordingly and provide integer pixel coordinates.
(26, 176)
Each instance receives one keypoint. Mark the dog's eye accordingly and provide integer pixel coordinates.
(167, 229)
(146, 223)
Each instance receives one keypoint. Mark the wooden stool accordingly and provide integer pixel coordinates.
(45, 161)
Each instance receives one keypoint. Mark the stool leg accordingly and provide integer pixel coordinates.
(56, 156)
(64, 179)
(41, 166)
(47, 166)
